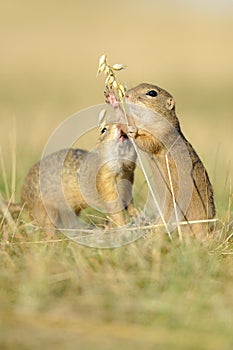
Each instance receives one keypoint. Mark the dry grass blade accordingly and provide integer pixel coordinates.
(4, 208)
(13, 169)
(4, 176)
(151, 190)
(17, 222)
(173, 197)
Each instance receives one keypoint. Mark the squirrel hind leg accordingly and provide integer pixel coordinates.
(117, 219)
(131, 210)
(49, 229)
(46, 218)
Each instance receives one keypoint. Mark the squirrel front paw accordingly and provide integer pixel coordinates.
(132, 131)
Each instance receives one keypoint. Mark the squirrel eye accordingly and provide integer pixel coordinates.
(152, 93)
(103, 130)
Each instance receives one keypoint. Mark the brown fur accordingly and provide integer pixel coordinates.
(73, 179)
(149, 138)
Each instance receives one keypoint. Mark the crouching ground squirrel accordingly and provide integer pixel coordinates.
(181, 180)
(76, 179)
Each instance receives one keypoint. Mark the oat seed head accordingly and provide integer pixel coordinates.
(111, 82)
(102, 119)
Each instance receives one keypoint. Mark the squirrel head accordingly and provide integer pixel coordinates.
(154, 98)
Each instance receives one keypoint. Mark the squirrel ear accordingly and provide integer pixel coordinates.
(170, 103)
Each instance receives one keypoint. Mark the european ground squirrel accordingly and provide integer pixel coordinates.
(183, 182)
(70, 180)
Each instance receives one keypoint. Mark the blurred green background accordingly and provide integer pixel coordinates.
(49, 57)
